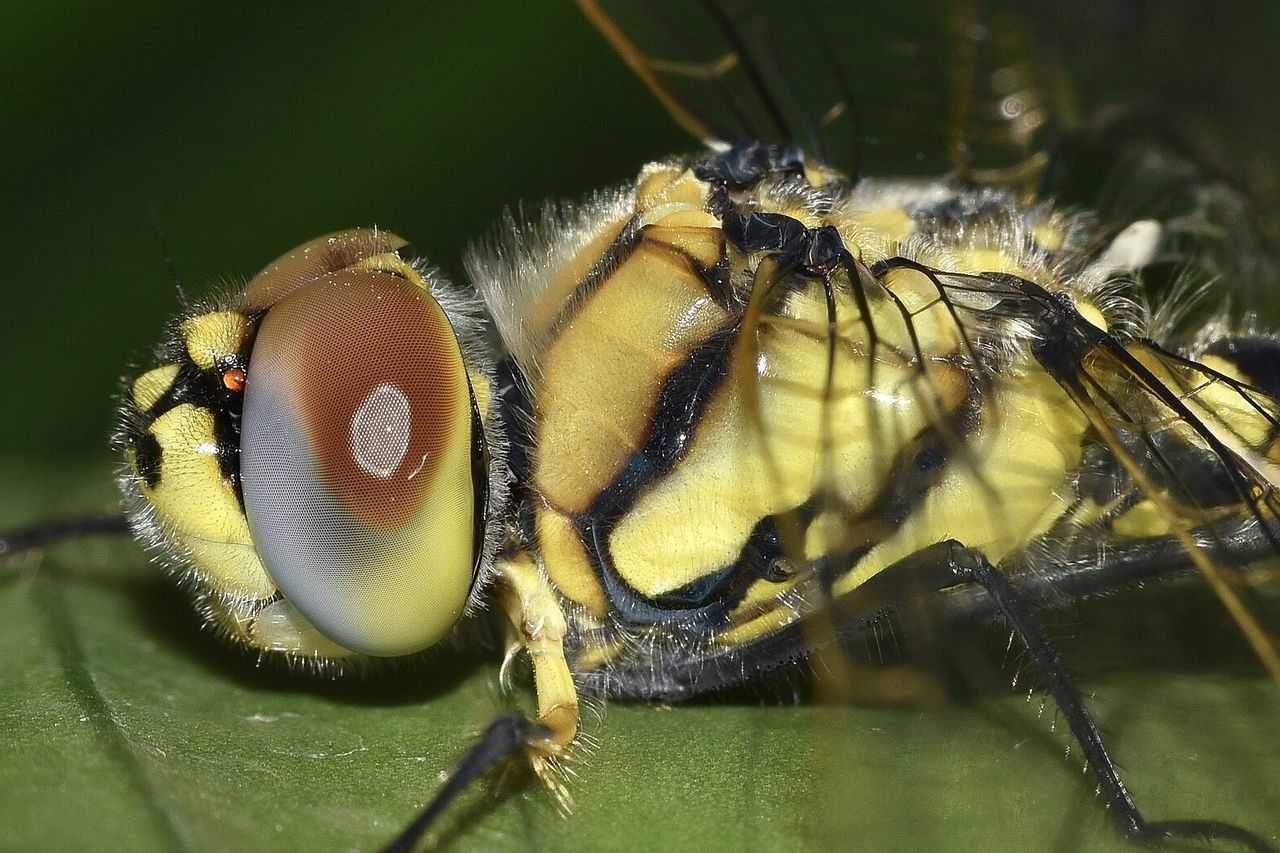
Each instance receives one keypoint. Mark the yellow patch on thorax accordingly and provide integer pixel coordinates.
(603, 371)
(1006, 484)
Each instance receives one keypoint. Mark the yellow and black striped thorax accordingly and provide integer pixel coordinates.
(743, 387)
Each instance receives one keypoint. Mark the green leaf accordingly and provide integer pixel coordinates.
(125, 727)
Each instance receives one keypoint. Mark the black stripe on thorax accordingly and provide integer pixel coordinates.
(922, 463)
(616, 255)
(513, 407)
(709, 600)
(684, 397)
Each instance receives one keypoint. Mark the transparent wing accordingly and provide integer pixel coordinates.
(1178, 466)
(860, 86)
(841, 379)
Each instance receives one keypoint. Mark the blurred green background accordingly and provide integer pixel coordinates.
(236, 130)
(224, 134)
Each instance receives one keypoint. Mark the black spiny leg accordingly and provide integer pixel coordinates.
(54, 532)
(507, 735)
(969, 566)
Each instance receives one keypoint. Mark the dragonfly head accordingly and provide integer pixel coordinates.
(314, 455)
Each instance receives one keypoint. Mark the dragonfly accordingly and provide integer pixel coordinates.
(613, 715)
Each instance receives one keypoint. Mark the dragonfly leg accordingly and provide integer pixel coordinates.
(56, 532)
(969, 566)
(539, 624)
(539, 627)
(505, 736)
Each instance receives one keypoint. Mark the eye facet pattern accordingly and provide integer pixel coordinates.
(356, 460)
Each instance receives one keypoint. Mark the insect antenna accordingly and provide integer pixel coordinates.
(771, 92)
(168, 255)
(783, 73)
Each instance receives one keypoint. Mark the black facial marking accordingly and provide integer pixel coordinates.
(146, 457)
(195, 386)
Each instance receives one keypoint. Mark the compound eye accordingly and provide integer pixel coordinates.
(356, 461)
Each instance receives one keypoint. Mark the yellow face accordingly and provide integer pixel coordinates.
(312, 458)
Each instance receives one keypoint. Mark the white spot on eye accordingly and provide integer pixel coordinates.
(380, 431)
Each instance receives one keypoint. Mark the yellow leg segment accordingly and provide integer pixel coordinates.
(534, 610)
